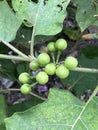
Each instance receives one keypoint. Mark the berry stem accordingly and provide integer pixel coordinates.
(38, 96)
(86, 70)
(53, 57)
(32, 77)
(58, 56)
(32, 85)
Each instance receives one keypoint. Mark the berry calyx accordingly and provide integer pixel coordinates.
(25, 89)
(71, 62)
(24, 77)
(42, 78)
(62, 72)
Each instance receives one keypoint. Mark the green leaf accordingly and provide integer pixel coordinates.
(80, 81)
(62, 111)
(3, 49)
(8, 69)
(2, 112)
(46, 16)
(9, 24)
(86, 12)
(90, 51)
(22, 67)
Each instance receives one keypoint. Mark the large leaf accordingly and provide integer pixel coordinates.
(81, 81)
(86, 11)
(62, 111)
(46, 16)
(9, 24)
(2, 112)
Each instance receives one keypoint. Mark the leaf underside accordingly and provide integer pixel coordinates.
(46, 16)
(86, 13)
(9, 24)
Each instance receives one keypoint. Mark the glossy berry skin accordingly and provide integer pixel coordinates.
(50, 69)
(51, 47)
(62, 72)
(71, 62)
(42, 78)
(43, 59)
(25, 89)
(24, 77)
(34, 65)
(61, 44)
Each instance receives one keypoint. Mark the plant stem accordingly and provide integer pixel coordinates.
(15, 50)
(38, 96)
(86, 70)
(32, 43)
(33, 33)
(3, 56)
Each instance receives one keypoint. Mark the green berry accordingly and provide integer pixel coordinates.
(61, 44)
(25, 89)
(71, 62)
(43, 59)
(62, 72)
(50, 69)
(42, 78)
(24, 77)
(34, 65)
(51, 47)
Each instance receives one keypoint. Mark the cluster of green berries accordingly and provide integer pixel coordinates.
(48, 67)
